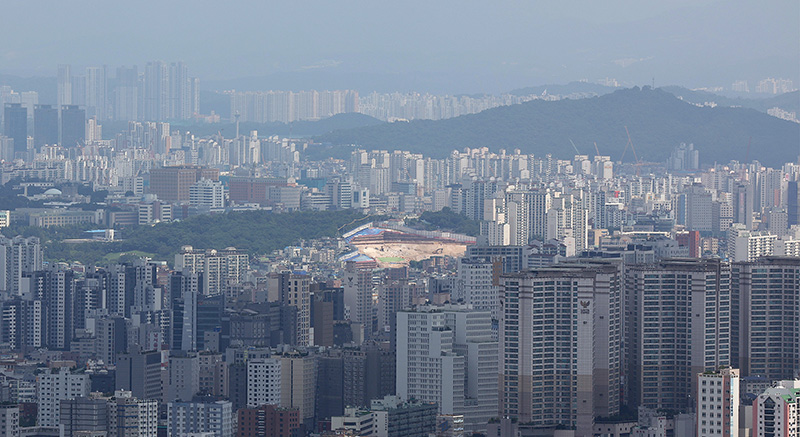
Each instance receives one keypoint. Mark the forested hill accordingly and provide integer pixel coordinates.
(656, 119)
(256, 232)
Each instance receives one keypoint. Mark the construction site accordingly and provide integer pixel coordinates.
(394, 247)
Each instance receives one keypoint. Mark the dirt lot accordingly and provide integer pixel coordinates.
(397, 254)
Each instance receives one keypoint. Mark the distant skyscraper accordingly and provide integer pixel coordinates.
(45, 126)
(64, 85)
(156, 91)
(15, 122)
(126, 95)
(73, 126)
(96, 92)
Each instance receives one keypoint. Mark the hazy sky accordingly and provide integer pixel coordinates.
(439, 46)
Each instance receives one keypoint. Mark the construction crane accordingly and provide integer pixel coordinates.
(573, 146)
(596, 149)
(637, 162)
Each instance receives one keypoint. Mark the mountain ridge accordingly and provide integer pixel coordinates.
(657, 120)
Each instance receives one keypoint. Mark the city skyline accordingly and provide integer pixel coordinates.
(582, 40)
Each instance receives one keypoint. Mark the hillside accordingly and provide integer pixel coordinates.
(657, 121)
(787, 101)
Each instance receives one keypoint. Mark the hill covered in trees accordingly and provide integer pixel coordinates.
(657, 120)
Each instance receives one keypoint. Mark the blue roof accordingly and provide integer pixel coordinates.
(367, 231)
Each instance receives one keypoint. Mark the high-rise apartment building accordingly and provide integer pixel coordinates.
(96, 92)
(9, 420)
(126, 94)
(18, 255)
(678, 323)
(64, 85)
(560, 345)
(358, 289)
(446, 355)
(768, 293)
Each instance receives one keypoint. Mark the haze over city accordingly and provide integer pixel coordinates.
(399, 219)
(439, 47)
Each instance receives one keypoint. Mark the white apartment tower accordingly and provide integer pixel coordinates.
(718, 403)
(447, 356)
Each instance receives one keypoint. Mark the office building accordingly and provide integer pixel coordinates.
(45, 126)
(718, 403)
(184, 376)
(54, 386)
(84, 414)
(368, 373)
(173, 184)
(394, 417)
(207, 194)
(293, 290)
(355, 422)
(15, 126)
(560, 336)
(299, 384)
(73, 126)
(264, 382)
(476, 284)
(200, 416)
(140, 373)
(129, 416)
(267, 421)
(358, 289)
